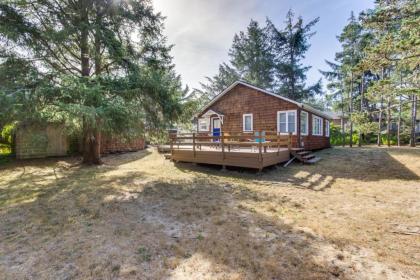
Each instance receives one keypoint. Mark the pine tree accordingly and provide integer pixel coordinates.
(347, 77)
(269, 58)
(351, 40)
(335, 85)
(289, 47)
(394, 24)
(252, 57)
(109, 57)
(227, 75)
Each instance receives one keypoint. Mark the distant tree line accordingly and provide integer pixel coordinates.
(374, 79)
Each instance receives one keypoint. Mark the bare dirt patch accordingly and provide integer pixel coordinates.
(353, 215)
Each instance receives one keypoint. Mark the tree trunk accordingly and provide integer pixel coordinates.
(91, 135)
(379, 142)
(388, 123)
(292, 77)
(399, 122)
(343, 132)
(91, 145)
(361, 107)
(413, 120)
(84, 39)
(98, 43)
(351, 110)
(399, 115)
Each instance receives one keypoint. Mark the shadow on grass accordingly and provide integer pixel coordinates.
(31, 182)
(86, 224)
(362, 164)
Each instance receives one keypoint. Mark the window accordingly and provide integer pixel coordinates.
(304, 123)
(247, 122)
(327, 128)
(286, 121)
(203, 124)
(316, 125)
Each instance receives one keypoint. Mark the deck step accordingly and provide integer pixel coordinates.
(167, 156)
(313, 160)
(303, 153)
(309, 156)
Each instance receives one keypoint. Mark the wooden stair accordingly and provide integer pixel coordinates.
(304, 156)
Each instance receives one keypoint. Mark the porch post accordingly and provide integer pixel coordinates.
(298, 128)
(194, 144)
(289, 141)
(172, 147)
(260, 145)
(222, 138)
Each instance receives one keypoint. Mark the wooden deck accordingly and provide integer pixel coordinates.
(231, 150)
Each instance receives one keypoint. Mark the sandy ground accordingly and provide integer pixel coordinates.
(353, 215)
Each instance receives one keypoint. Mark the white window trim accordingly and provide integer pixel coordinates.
(307, 123)
(207, 123)
(327, 128)
(287, 122)
(313, 125)
(243, 122)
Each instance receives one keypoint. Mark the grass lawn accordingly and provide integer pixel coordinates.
(353, 215)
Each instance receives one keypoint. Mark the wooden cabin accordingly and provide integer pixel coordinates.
(250, 127)
(245, 108)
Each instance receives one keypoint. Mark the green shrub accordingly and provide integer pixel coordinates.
(7, 133)
(336, 138)
(392, 139)
(5, 150)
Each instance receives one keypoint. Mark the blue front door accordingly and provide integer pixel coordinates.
(216, 128)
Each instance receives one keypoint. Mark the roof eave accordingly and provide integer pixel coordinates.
(239, 82)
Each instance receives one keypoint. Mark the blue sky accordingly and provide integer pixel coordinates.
(202, 30)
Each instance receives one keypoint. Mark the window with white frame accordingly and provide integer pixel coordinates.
(327, 128)
(248, 122)
(286, 122)
(316, 125)
(304, 123)
(203, 124)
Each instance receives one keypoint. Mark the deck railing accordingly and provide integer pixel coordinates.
(263, 140)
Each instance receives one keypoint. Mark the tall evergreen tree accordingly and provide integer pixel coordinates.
(289, 48)
(106, 57)
(395, 26)
(252, 56)
(250, 59)
(336, 86)
(346, 77)
(351, 40)
(269, 58)
(226, 76)
(379, 66)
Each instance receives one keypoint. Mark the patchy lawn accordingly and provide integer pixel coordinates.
(353, 215)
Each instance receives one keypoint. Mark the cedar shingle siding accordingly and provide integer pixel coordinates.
(246, 100)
